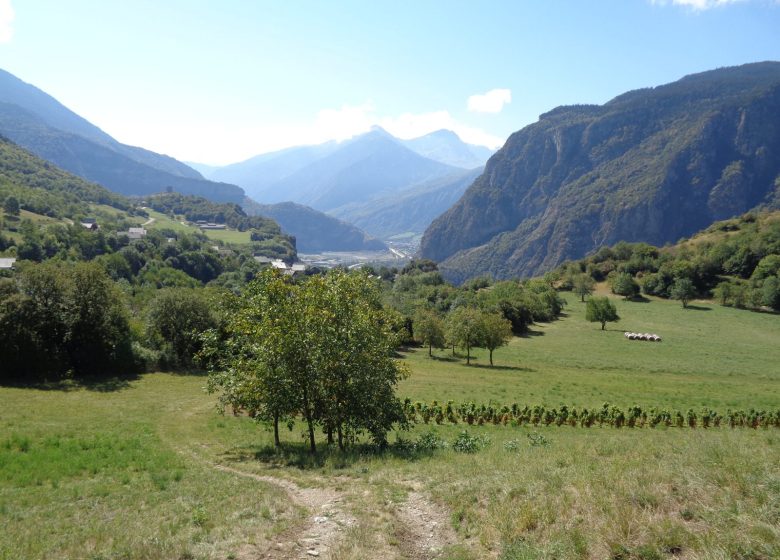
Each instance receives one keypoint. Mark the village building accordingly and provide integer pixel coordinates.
(135, 233)
(7, 263)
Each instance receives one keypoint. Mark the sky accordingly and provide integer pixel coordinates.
(218, 81)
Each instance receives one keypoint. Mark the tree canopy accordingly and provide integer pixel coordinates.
(601, 310)
(320, 349)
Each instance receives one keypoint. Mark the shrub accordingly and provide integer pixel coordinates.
(466, 443)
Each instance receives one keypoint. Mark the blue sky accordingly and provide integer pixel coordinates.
(221, 80)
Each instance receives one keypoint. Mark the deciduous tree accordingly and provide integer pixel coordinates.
(601, 310)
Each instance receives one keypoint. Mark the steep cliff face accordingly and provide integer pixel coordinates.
(652, 165)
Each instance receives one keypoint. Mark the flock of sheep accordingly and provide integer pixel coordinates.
(642, 336)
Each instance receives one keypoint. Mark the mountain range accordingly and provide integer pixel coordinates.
(381, 183)
(38, 122)
(652, 165)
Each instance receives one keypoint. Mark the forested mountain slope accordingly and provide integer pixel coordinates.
(651, 165)
(315, 231)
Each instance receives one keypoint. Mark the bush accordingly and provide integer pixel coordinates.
(466, 443)
(429, 441)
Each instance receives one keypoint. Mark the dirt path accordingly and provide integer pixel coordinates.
(426, 527)
(326, 520)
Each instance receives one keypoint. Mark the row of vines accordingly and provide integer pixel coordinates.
(608, 415)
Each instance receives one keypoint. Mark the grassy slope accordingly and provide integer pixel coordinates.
(711, 355)
(228, 236)
(101, 474)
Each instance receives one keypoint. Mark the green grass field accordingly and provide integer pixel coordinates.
(129, 470)
(162, 221)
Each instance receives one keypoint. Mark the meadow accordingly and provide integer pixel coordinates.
(162, 221)
(146, 468)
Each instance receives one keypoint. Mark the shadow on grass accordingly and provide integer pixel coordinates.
(698, 307)
(501, 368)
(639, 299)
(529, 333)
(298, 455)
(97, 384)
(455, 358)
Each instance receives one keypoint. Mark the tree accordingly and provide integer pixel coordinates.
(496, 332)
(683, 290)
(770, 293)
(176, 319)
(11, 206)
(583, 285)
(623, 284)
(63, 320)
(429, 330)
(464, 329)
(601, 310)
(320, 349)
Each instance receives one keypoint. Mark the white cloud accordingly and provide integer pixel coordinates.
(410, 125)
(490, 102)
(6, 21)
(697, 5)
(215, 141)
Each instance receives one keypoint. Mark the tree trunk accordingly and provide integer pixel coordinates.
(491, 356)
(430, 350)
(340, 436)
(603, 324)
(309, 421)
(468, 355)
(330, 434)
(277, 443)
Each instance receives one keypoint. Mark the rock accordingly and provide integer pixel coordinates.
(312, 552)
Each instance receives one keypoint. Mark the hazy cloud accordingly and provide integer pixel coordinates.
(696, 4)
(6, 21)
(490, 102)
(236, 143)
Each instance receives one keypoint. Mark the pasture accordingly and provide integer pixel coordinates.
(145, 468)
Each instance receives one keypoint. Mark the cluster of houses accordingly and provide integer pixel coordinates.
(279, 264)
(642, 336)
(203, 224)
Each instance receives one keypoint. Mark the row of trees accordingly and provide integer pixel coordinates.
(464, 327)
(320, 349)
(608, 415)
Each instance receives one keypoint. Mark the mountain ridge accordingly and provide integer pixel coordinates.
(38, 122)
(650, 165)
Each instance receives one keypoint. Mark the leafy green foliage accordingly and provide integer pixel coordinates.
(176, 320)
(733, 260)
(58, 320)
(319, 349)
(683, 290)
(429, 329)
(601, 310)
